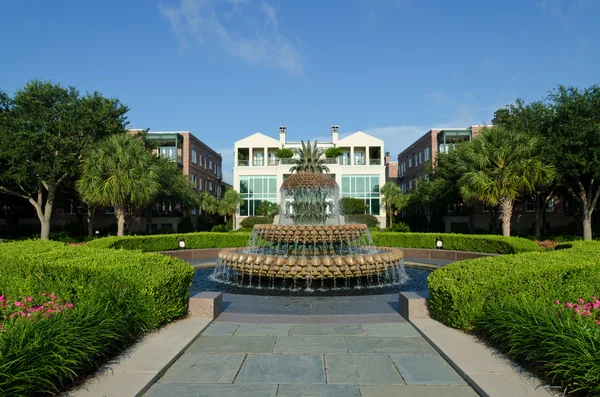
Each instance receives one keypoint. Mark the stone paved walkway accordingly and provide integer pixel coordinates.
(304, 347)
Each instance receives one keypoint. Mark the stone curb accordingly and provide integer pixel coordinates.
(489, 372)
(139, 367)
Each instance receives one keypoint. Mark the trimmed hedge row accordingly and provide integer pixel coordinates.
(461, 291)
(170, 242)
(117, 296)
(458, 242)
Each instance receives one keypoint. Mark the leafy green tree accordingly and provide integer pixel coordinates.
(44, 131)
(393, 199)
(352, 206)
(311, 160)
(229, 204)
(267, 208)
(333, 152)
(535, 119)
(284, 153)
(573, 139)
(209, 203)
(119, 172)
(502, 164)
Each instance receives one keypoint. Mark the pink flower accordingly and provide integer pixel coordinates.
(557, 302)
(18, 303)
(568, 304)
(69, 305)
(581, 300)
(29, 298)
(52, 296)
(44, 293)
(1, 298)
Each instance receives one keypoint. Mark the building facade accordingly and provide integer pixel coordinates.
(258, 173)
(560, 214)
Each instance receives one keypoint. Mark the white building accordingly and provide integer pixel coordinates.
(359, 171)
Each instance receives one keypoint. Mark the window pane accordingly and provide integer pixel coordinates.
(272, 184)
(244, 208)
(360, 185)
(345, 185)
(243, 184)
(374, 206)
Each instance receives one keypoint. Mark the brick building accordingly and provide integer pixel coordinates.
(457, 217)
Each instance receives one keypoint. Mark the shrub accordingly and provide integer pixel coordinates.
(267, 208)
(461, 292)
(116, 296)
(170, 242)
(400, 227)
(367, 219)
(557, 346)
(250, 221)
(284, 153)
(352, 206)
(457, 242)
(333, 152)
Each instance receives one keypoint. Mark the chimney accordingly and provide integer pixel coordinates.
(282, 130)
(335, 132)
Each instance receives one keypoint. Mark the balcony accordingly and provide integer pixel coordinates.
(243, 163)
(258, 163)
(374, 161)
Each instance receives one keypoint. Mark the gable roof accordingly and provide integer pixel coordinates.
(359, 138)
(257, 139)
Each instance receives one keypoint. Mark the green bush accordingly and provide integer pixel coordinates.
(367, 219)
(284, 153)
(170, 242)
(250, 221)
(352, 206)
(117, 295)
(400, 227)
(333, 152)
(557, 346)
(456, 242)
(461, 291)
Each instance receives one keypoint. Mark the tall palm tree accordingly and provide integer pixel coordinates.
(311, 160)
(209, 203)
(118, 172)
(501, 164)
(229, 204)
(393, 199)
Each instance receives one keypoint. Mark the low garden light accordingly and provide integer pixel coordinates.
(181, 244)
(439, 244)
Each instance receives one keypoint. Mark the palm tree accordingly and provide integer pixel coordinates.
(311, 160)
(209, 203)
(501, 164)
(118, 172)
(393, 199)
(229, 204)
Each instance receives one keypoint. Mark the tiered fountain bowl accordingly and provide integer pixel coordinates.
(310, 248)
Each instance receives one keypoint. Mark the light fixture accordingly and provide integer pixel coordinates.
(97, 232)
(181, 244)
(438, 243)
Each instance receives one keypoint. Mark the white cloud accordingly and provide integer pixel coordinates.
(247, 30)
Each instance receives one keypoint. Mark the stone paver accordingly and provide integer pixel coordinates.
(426, 370)
(381, 344)
(306, 344)
(218, 328)
(204, 368)
(391, 329)
(416, 391)
(327, 329)
(282, 368)
(296, 390)
(233, 344)
(213, 390)
(263, 329)
(361, 369)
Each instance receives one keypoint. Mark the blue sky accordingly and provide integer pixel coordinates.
(225, 69)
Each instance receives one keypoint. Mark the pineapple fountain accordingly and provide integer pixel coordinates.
(309, 247)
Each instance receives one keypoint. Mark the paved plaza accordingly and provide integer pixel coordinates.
(288, 347)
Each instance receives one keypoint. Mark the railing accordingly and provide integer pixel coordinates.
(287, 161)
(243, 163)
(258, 163)
(331, 160)
(359, 161)
(273, 162)
(374, 161)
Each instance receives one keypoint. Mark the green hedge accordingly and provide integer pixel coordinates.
(250, 221)
(457, 242)
(169, 242)
(117, 295)
(461, 291)
(367, 219)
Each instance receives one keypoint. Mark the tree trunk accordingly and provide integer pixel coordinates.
(391, 219)
(120, 214)
(506, 209)
(149, 219)
(90, 221)
(539, 200)
(45, 232)
(587, 223)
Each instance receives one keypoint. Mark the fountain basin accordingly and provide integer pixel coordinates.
(366, 262)
(311, 234)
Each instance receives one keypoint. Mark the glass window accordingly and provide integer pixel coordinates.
(410, 162)
(256, 189)
(210, 164)
(363, 187)
(194, 154)
(550, 204)
(420, 158)
(530, 205)
(426, 153)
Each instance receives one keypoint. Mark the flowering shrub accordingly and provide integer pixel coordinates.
(547, 245)
(583, 308)
(45, 306)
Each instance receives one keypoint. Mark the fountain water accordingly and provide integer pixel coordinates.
(309, 244)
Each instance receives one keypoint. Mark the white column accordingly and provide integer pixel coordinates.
(266, 156)
(250, 160)
(366, 155)
(351, 155)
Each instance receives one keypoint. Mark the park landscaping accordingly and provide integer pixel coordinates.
(540, 308)
(65, 310)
